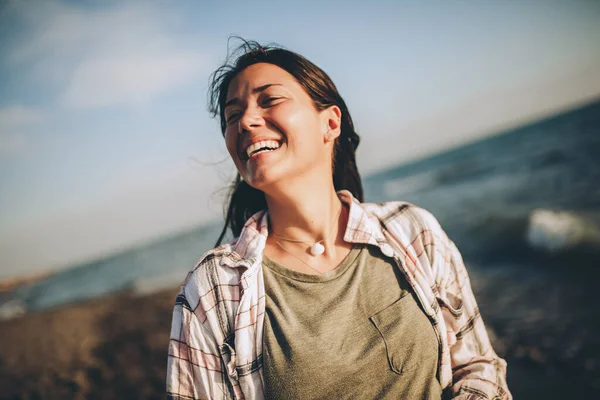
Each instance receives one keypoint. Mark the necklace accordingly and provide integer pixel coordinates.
(298, 258)
(316, 249)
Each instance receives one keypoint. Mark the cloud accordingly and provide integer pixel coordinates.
(117, 57)
(11, 143)
(17, 116)
(129, 79)
(14, 120)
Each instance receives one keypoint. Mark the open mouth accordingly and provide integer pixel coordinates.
(257, 148)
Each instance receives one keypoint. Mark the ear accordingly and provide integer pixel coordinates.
(332, 124)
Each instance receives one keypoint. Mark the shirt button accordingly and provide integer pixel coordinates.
(387, 250)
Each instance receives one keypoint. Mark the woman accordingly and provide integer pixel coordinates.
(320, 295)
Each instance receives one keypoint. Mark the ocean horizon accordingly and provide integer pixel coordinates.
(527, 195)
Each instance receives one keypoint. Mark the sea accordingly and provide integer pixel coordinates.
(523, 207)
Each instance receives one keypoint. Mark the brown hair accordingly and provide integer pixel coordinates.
(244, 200)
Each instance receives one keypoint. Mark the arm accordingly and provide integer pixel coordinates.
(478, 372)
(194, 368)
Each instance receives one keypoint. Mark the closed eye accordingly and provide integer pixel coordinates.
(267, 102)
(270, 100)
(231, 117)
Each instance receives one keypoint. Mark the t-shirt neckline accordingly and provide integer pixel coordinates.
(342, 267)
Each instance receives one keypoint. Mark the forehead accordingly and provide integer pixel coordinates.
(260, 74)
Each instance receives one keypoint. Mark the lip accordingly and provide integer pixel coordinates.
(248, 142)
(260, 156)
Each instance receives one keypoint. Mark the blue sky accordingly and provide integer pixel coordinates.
(105, 140)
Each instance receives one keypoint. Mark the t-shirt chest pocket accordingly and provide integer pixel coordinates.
(407, 333)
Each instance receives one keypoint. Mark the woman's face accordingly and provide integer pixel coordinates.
(274, 133)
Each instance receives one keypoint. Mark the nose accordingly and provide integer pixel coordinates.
(250, 121)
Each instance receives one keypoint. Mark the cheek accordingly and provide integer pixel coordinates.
(231, 144)
(298, 123)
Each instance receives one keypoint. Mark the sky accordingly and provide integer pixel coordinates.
(105, 137)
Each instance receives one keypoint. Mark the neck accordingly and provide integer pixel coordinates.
(306, 212)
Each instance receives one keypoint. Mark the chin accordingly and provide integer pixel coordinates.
(263, 177)
(264, 182)
(261, 184)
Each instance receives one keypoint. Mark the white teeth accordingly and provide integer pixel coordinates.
(273, 144)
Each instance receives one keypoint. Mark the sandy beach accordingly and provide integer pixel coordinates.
(110, 348)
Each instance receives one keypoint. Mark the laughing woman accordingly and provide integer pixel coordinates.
(319, 295)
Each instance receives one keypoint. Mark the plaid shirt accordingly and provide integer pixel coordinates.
(215, 348)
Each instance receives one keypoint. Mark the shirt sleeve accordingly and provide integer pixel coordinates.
(194, 367)
(477, 371)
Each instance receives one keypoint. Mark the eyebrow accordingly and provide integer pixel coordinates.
(235, 100)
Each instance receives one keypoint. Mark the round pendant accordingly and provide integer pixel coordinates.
(317, 249)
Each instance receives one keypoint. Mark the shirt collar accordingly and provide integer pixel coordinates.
(362, 228)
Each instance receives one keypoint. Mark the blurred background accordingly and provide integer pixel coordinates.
(112, 171)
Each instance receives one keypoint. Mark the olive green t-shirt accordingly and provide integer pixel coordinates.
(356, 332)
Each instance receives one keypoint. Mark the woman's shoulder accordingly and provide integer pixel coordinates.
(419, 233)
(210, 270)
(404, 215)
